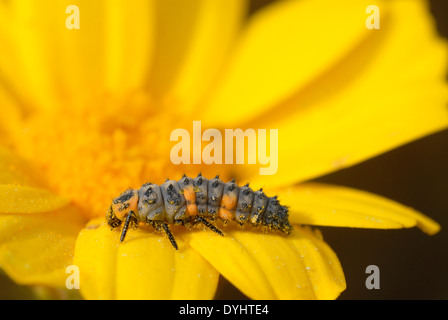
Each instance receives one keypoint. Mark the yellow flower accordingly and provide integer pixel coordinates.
(88, 112)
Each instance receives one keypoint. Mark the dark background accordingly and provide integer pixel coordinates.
(412, 264)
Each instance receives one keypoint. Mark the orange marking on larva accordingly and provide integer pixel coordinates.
(225, 214)
(122, 209)
(133, 202)
(190, 198)
(228, 206)
(181, 196)
(116, 209)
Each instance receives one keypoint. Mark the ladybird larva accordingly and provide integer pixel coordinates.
(198, 201)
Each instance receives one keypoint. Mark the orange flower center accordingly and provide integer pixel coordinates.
(93, 154)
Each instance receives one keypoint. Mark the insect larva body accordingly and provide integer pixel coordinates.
(197, 201)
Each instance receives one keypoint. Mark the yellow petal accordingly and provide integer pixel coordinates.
(49, 62)
(78, 55)
(6, 39)
(16, 171)
(23, 199)
(128, 32)
(388, 91)
(148, 267)
(327, 205)
(36, 249)
(284, 47)
(96, 255)
(25, 41)
(11, 113)
(193, 38)
(273, 266)
(144, 266)
(22, 189)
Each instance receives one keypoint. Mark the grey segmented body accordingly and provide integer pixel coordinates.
(196, 201)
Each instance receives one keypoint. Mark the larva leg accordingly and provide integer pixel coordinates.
(126, 225)
(159, 225)
(170, 235)
(209, 225)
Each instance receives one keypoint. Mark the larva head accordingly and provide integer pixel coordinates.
(121, 207)
(282, 220)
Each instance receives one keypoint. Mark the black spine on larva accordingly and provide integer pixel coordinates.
(276, 216)
(245, 202)
(258, 207)
(125, 196)
(185, 182)
(201, 185)
(268, 212)
(231, 190)
(174, 201)
(150, 203)
(215, 191)
(166, 204)
(271, 211)
(283, 219)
